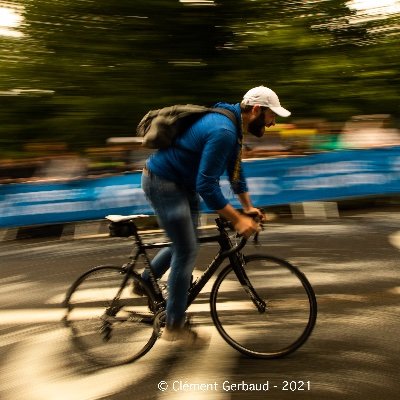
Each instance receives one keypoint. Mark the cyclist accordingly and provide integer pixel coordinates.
(173, 179)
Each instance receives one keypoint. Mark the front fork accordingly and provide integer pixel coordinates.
(239, 267)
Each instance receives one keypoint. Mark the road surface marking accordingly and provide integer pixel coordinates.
(31, 316)
(38, 370)
(394, 239)
(196, 369)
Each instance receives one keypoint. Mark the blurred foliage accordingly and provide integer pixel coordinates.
(80, 71)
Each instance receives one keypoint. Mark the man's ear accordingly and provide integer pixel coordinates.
(256, 110)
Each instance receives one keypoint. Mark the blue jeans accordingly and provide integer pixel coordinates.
(177, 210)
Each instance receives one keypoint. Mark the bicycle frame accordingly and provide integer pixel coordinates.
(233, 289)
(224, 252)
(227, 250)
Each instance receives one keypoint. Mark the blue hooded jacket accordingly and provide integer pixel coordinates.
(202, 154)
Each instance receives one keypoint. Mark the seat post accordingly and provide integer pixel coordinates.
(138, 239)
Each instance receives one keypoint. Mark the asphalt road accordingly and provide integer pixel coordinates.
(353, 264)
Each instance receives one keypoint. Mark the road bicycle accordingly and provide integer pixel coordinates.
(262, 306)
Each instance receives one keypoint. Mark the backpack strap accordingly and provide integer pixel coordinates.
(232, 117)
(227, 113)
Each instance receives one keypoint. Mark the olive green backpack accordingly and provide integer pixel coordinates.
(160, 127)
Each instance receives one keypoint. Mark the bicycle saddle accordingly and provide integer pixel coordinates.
(123, 218)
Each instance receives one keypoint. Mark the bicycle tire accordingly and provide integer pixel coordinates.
(105, 329)
(285, 324)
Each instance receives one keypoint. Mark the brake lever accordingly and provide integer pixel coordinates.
(255, 239)
(256, 235)
(256, 218)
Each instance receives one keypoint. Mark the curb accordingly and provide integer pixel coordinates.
(315, 210)
(84, 229)
(70, 230)
(99, 228)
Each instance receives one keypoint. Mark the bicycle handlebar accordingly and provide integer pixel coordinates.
(243, 241)
(235, 248)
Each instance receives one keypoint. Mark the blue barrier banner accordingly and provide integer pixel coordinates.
(87, 199)
(333, 175)
(272, 181)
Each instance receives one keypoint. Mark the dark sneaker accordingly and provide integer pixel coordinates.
(185, 335)
(138, 290)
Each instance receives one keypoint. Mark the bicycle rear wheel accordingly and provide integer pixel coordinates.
(282, 319)
(110, 324)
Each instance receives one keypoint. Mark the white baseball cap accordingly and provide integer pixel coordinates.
(265, 97)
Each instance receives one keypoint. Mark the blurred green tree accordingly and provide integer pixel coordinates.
(83, 70)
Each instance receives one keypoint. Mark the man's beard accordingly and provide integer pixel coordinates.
(257, 126)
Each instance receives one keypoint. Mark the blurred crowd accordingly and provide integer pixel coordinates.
(53, 161)
(312, 136)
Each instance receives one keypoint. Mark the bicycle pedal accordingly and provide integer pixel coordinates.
(106, 333)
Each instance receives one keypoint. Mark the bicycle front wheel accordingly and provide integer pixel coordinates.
(269, 316)
(110, 324)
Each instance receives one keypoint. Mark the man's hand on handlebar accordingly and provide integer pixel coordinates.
(256, 213)
(250, 222)
(245, 226)
(247, 223)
